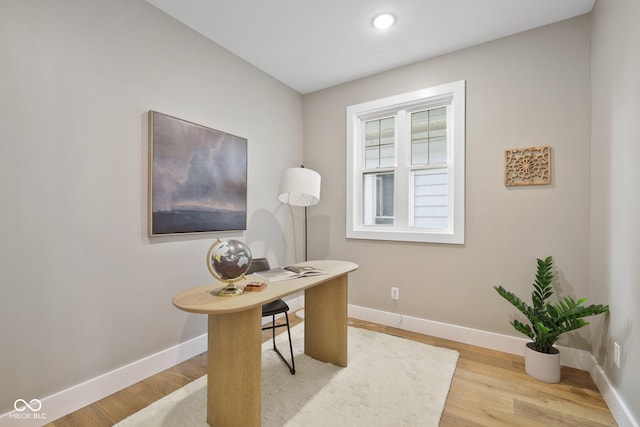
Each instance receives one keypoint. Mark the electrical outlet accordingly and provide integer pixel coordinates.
(395, 294)
(616, 354)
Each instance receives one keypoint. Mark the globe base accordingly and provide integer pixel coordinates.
(230, 290)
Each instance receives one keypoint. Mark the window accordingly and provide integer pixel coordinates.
(405, 166)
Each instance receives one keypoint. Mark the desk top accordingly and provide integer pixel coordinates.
(202, 299)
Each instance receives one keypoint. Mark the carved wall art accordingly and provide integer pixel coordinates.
(527, 166)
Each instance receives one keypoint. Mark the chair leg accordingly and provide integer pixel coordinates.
(292, 366)
(273, 331)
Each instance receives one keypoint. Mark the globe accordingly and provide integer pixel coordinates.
(228, 261)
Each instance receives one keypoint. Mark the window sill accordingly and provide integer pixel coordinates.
(444, 237)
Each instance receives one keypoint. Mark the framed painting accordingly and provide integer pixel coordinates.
(197, 178)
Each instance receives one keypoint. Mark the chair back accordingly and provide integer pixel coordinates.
(258, 264)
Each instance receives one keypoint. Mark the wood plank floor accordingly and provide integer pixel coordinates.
(489, 388)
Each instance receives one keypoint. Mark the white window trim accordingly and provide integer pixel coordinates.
(357, 114)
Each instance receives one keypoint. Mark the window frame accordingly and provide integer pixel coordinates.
(401, 106)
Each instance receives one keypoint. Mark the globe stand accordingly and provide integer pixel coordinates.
(231, 290)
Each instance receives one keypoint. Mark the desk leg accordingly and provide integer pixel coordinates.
(325, 321)
(234, 367)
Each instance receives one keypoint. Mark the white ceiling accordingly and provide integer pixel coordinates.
(312, 45)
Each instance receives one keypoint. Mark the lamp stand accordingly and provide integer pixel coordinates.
(306, 258)
(300, 313)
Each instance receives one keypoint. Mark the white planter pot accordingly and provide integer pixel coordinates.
(542, 366)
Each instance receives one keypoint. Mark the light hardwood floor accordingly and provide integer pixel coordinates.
(489, 388)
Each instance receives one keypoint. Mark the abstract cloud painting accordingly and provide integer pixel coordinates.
(197, 178)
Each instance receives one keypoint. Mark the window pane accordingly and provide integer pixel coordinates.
(438, 119)
(420, 124)
(438, 150)
(371, 157)
(378, 208)
(372, 133)
(387, 127)
(387, 155)
(430, 198)
(420, 152)
(429, 136)
(380, 143)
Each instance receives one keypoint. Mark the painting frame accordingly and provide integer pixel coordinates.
(197, 178)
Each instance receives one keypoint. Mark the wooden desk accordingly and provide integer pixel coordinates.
(235, 336)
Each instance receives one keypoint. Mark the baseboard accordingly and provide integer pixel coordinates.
(569, 356)
(441, 330)
(579, 359)
(617, 406)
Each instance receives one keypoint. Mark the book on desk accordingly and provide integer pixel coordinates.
(289, 272)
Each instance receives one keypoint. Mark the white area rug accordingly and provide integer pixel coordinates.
(390, 381)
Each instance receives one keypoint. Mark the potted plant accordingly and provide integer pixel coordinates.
(547, 322)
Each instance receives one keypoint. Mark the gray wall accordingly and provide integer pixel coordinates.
(529, 89)
(84, 290)
(615, 199)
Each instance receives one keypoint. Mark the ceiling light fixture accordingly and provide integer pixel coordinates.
(383, 21)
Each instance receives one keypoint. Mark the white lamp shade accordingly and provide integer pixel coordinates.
(299, 187)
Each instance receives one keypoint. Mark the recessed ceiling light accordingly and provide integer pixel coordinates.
(383, 21)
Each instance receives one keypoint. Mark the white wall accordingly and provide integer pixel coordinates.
(84, 290)
(525, 90)
(615, 199)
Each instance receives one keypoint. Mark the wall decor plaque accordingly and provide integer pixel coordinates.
(197, 178)
(527, 166)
